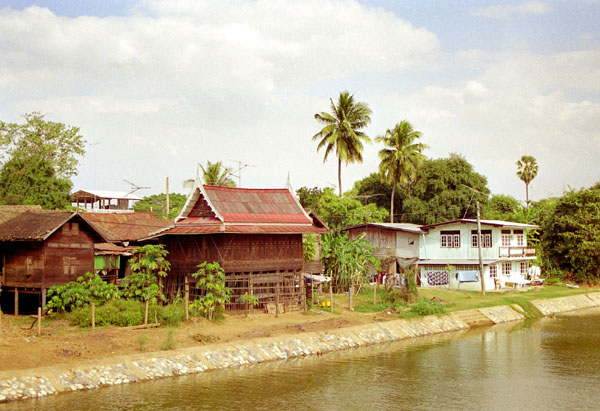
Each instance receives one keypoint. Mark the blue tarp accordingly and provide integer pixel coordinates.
(468, 276)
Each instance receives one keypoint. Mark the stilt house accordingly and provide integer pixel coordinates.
(254, 234)
(42, 248)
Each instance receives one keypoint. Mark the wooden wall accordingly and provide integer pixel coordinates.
(64, 256)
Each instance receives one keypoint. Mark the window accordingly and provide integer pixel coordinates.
(29, 265)
(506, 269)
(487, 238)
(493, 271)
(506, 238)
(450, 239)
(75, 228)
(69, 265)
(524, 266)
(520, 237)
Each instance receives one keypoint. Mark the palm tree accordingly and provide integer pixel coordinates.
(400, 158)
(215, 174)
(527, 170)
(341, 132)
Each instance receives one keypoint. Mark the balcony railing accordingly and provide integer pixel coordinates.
(512, 252)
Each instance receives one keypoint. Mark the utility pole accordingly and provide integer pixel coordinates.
(167, 212)
(481, 277)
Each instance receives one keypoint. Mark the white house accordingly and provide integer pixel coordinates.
(448, 254)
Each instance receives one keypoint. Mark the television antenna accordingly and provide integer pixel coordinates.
(241, 166)
(134, 187)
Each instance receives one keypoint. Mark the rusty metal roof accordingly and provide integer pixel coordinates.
(126, 226)
(8, 212)
(244, 229)
(37, 225)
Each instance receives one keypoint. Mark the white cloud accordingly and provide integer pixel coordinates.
(503, 11)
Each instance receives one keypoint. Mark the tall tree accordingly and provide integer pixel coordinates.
(527, 169)
(157, 204)
(215, 174)
(341, 132)
(32, 181)
(401, 157)
(47, 140)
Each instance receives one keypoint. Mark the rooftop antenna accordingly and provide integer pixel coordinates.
(134, 187)
(241, 166)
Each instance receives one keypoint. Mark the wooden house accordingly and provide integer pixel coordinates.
(254, 234)
(42, 248)
(397, 243)
(103, 200)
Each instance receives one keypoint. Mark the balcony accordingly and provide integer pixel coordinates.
(517, 252)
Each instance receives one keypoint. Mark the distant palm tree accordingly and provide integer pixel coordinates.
(215, 174)
(342, 131)
(400, 158)
(527, 170)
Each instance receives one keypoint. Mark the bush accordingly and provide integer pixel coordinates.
(428, 307)
(115, 312)
(171, 314)
(88, 288)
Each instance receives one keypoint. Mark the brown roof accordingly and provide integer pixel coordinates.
(34, 225)
(126, 226)
(8, 212)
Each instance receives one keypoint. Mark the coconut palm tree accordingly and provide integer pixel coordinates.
(341, 132)
(215, 174)
(400, 158)
(527, 169)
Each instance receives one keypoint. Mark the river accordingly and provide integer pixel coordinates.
(550, 364)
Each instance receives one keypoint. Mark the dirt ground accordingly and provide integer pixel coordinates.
(60, 343)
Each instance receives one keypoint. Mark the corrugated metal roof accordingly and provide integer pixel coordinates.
(126, 226)
(244, 229)
(36, 225)
(493, 223)
(456, 261)
(8, 212)
(411, 228)
(104, 194)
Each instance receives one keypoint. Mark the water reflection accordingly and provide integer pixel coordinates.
(551, 364)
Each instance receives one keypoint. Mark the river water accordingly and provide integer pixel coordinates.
(550, 364)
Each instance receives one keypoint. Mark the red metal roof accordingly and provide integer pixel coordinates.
(244, 229)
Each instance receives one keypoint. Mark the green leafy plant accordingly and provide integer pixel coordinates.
(141, 341)
(86, 289)
(309, 247)
(122, 313)
(148, 265)
(211, 279)
(249, 299)
(169, 342)
(428, 307)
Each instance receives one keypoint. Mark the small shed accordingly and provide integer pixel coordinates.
(397, 243)
(42, 248)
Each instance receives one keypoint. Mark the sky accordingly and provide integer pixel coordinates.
(159, 86)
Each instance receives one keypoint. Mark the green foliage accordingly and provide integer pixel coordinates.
(338, 212)
(527, 169)
(33, 181)
(309, 247)
(147, 264)
(211, 279)
(250, 299)
(440, 193)
(502, 207)
(168, 314)
(571, 235)
(87, 289)
(169, 342)
(215, 174)
(122, 313)
(157, 204)
(309, 197)
(428, 307)
(347, 262)
(47, 140)
(372, 190)
(141, 341)
(341, 132)
(400, 158)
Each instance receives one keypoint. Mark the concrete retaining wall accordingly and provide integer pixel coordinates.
(17, 385)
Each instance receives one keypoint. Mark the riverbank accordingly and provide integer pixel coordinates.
(32, 383)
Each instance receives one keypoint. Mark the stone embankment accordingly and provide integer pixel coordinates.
(17, 385)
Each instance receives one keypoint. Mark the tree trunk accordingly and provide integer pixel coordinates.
(392, 204)
(527, 195)
(146, 312)
(340, 176)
